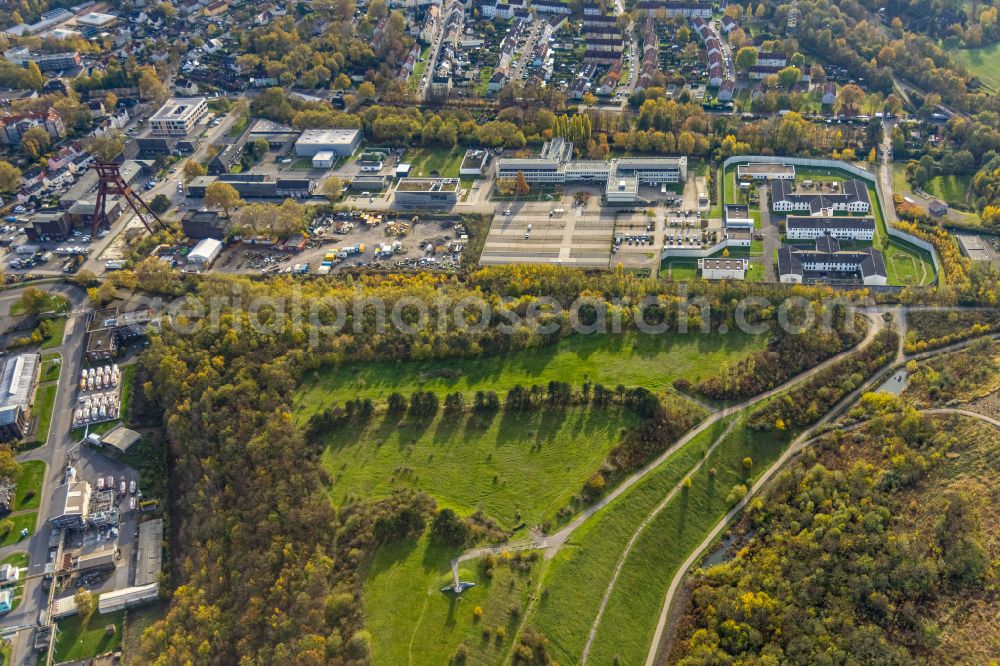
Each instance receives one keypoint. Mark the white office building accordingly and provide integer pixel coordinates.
(178, 116)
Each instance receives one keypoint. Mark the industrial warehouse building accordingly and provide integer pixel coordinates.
(205, 252)
(340, 142)
(18, 377)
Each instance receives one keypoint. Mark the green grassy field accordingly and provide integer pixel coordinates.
(442, 162)
(983, 62)
(680, 269)
(21, 521)
(953, 190)
(45, 400)
(413, 622)
(51, 365)
(633, 359)
(516, 467)
(630, 618)
(575, 582)
(78, 639)
(30, 475)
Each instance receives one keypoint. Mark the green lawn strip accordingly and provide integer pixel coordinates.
(20, 521)
(45, 400)
(632, 359)
(19, 560)
(755, 273)
(683, 269)
(634, 607)
(30, 475)
(413, 622)
(578, 576)
(79, 638)
(515, 466)
(58, 331)
(51, 365)
(53, 303)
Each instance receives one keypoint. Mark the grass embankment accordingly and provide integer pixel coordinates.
(632, 359)
(634, 607)
(45, 400)
(515, 466)
(579, 575)
(413, 622)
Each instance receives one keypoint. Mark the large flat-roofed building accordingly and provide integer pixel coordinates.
(47, 62)
(340, 142)
(554, 166)
(723, 269)
(18, 377)
(845, 228)
(829, 263)
(178, 116)
(765, 171)
(654, 170)
(852, 198)
(427, 191)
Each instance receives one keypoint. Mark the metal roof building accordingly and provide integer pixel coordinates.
(17, 386)
(148, 552)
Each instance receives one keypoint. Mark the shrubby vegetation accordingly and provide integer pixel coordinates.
(847, 560)
(932, 329)
(807, 402)
(787, 355)
(956, 376)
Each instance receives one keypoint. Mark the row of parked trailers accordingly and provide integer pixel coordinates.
(100, 378)
(97, 408)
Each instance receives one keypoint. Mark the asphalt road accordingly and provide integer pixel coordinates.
(58, 450)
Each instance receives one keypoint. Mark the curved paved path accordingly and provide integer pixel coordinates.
(552, 543)
(800, 443)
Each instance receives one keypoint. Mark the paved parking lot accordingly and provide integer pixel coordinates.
(539, 233)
